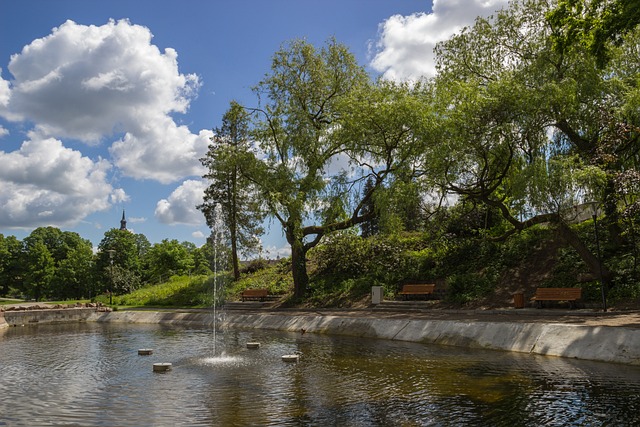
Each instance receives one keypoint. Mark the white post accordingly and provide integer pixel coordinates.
(376, 295)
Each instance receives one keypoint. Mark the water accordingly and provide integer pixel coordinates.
(91, 375)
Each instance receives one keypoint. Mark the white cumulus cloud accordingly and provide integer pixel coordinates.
(404, 50)
(44, 183)
(163, 153)
(90, 82)
(180, 206)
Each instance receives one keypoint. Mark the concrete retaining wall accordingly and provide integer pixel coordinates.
(15, 318)
(608, 344)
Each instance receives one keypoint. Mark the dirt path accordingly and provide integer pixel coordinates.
(629, 319)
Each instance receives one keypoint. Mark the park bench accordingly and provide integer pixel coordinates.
(571, 295)
(416, 290)
(258, 295)
(254, 294)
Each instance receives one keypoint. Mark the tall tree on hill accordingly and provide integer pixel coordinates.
(321, 128)
(229, 190)
(594, 24)
(371, 226)
(504, 89)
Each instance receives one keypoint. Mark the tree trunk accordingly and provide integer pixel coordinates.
(234, 254)
(299, 269)
(592, 261)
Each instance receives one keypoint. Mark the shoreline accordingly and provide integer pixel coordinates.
(612, 337)
(561, 338)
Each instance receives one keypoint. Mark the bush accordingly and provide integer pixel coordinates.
(467, 287)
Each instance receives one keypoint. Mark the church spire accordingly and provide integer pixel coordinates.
(123, 222)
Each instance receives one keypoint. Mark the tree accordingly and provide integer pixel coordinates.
(369, 227)
(74, 276)
(168, 258)
(323, 129)
(594, 24)
(40, 268)
(202, 260)
(119, 257)
(229, 190)
(10, 266)
(72, 261)
(503, 89)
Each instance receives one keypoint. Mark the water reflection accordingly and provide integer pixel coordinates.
(90, 375)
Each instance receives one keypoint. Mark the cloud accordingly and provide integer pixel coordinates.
(164, 153)
(198, 235)
(5, 92)
(44, 183)
(92, 82)
(404, 50)
(180, 206)
(273, 252)
(119, 196)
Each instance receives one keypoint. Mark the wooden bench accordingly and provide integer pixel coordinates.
(571, 295)
(254, 294)
(416, 289)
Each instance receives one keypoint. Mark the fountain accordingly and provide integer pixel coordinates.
(219, 262)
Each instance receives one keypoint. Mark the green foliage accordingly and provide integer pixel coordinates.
(168, 258)
(466, 287)
(594, 24)
(231, 204)
(178, 291)
(123, 249)
(274, 276)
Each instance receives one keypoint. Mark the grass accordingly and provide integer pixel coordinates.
(198, 291)
(179, 291)
(6, 301)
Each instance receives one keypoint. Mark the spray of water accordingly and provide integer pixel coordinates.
(217, 234)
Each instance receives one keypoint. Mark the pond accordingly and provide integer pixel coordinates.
(91, 375)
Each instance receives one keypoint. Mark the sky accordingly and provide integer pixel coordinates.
(107, 106)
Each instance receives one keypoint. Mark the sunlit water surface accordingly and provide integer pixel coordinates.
(91, 375)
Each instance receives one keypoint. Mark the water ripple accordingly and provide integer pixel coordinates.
(91, 375)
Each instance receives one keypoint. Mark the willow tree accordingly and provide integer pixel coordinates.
(229, 192)
(526, 120)
(594, 24)
(321, 129)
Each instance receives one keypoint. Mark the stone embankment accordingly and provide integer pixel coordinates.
(573, 337)
(19, 315)
(565, 339)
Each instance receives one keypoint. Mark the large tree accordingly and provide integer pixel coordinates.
(229, 200)
(322, 128)
(594, 24)
(72, 262)
(525, 121)
(168, 258)
(39, 271)
(119, 260)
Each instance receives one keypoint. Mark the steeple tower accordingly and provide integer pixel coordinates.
(123, 222)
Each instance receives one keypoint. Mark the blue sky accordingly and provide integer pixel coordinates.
(108, 105)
